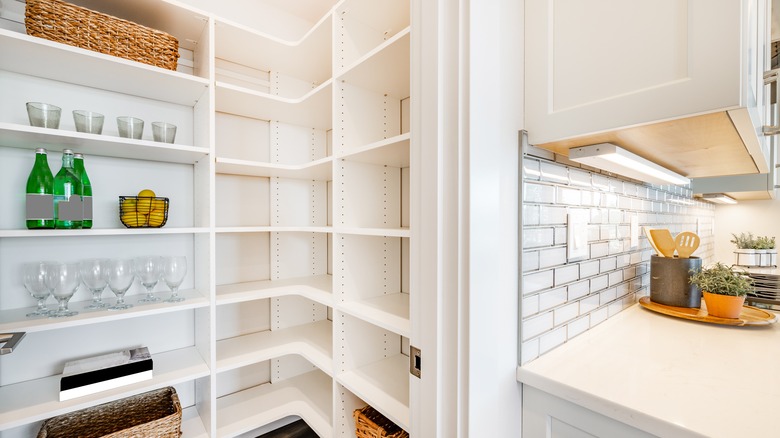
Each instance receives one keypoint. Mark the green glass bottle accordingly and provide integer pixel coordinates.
(40, 195)
(68, 212)
(86, 190)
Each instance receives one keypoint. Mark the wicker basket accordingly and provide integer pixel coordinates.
(371, 424)
(151, 414)
(66, 23)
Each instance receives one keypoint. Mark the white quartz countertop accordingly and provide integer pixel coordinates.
(669, 377)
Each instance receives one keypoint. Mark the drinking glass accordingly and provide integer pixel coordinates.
(148, 271)
(34, 278)
(164, 132)
(63, 282)
(88, 121)
(94, 274)
(173, 270)
(44, 115)
(130, 127)
(120, 277)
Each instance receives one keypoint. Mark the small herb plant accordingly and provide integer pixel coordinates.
(765, 242)
(722, 280)
(744, 241)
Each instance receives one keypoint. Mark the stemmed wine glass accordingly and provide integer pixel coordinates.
(94, 274)
(34, 278)
(173, 270)
(120, 278)
(148, 271)
(63, 282)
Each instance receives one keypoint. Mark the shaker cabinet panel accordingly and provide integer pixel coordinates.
(595, 71)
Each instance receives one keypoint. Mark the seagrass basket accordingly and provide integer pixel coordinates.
(371, 424)
(151, 414)
(73, 25)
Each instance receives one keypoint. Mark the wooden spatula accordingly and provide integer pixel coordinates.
(686, 243)
(664, 241)
(652, 243)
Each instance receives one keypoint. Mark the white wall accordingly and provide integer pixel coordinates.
(758, 217)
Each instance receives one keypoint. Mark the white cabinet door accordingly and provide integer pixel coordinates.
(606, 64)
(547, 416)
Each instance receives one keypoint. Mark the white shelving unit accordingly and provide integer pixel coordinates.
(290, 196)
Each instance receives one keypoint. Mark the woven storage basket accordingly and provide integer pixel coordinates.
(371, 424)
(151, 414)
(66, 23)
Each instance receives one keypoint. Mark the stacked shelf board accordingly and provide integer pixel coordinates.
(294, 160)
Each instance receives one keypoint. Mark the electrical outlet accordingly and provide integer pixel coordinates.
(577, 236)
(634, 230)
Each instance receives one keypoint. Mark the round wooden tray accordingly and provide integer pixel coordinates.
(749, 316)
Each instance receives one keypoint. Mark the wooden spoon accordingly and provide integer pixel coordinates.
(652, 242)
(664, 241)
(686, 242)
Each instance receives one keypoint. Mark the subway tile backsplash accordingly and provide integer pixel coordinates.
(562, 299)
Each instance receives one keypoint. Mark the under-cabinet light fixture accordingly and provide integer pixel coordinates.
(718, 198)
(613, 158)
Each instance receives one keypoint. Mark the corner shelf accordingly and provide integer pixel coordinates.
(30, 137)
(391, 312)
(308, 396)
(384, 385)
(317, 288)
(313, 110)
(14, 320)
(313, 341)
(321, 169)
(36, 400)
(27, 55)
(307, 58)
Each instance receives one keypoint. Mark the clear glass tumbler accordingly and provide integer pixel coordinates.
(88, 121)
(43, 115)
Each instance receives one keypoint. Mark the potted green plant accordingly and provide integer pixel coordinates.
(745, 253)
(765, 247)
(723, 289)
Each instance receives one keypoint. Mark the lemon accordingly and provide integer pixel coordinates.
(144, 205)
(158, 204)
(128, 205)
(146, 193)
(134, 219)
(156, 218)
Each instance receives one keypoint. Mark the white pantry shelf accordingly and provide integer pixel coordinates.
(393, 151)
(321, 169)
(27, 55)
(55, 140)
(391, 312)
(384, 385)
(275, 229)
(312, 110)
(384, 69)
(313, 341)
(309, 58)
(308, 396)
(379, 232)
(103, 232)
(318, 288)
(14, 320)
(36, 400)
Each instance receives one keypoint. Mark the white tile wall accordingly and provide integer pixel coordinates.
(562, 300)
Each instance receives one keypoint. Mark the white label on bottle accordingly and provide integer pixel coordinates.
(70, 210)
(40, 207)
(87, 204)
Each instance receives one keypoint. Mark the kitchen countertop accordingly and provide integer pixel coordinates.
(668, 376)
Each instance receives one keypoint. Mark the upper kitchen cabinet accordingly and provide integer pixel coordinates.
(678, 82)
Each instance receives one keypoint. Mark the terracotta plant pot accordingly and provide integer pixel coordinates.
(723, 306)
